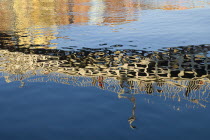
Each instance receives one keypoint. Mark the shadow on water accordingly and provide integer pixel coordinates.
(180, 73)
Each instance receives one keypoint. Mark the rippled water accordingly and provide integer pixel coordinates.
(104, 69)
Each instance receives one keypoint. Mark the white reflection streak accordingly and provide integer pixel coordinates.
(96, 12)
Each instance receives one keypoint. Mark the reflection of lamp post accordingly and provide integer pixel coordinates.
(133, 117)
(22, 84)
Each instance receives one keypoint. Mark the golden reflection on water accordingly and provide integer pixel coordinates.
(45, 13)
(36, 22)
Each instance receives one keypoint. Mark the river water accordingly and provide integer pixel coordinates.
(104, 69)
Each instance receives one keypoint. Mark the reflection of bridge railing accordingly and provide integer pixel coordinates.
(181, 72)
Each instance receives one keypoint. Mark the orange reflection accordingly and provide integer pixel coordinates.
(47, 13)
(36, 21)
(120, 11)
(6, 16)
(173, 4)
(80, 10)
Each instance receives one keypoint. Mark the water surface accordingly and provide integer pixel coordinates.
(104, 69)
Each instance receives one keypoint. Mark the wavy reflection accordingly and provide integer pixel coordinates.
(37, 22)
(45, 13)
(27, 54)
(180, 73)
(24, 14)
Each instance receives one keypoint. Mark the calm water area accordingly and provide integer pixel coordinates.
(104, 69)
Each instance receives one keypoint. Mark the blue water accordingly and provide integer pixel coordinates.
(104, 69)
(41, 111)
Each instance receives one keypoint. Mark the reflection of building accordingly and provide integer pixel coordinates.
(79, 11)
(6, 16)
(117, 12)
(96, 13)
(43, 13)
(113, 11)
(35, 22)
(173, 4)
(46, 13)
(103, 11)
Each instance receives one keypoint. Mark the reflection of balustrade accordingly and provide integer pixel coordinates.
(181, 72)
